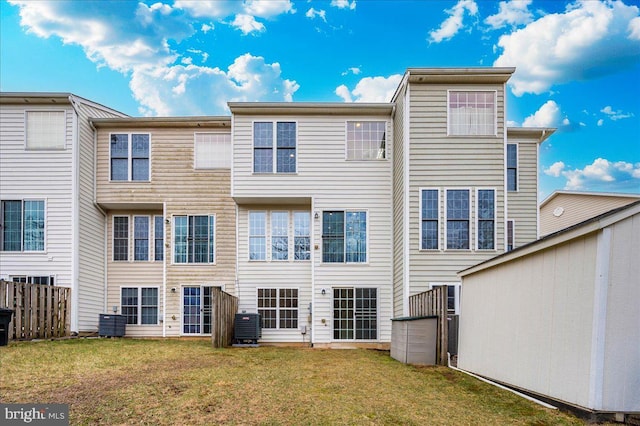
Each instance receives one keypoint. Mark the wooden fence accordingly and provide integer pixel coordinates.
(40, 311)
(434, 303)
(223, 312)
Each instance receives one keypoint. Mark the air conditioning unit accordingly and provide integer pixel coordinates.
(247, 328)
(112, 325)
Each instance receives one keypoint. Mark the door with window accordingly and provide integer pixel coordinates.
(355, 314)
(196, 310)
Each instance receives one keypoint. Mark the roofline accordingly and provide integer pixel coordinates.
(51, 98)
(601, 194)
(139, 122)
(330, 108)
(541, 133)
(578, 230)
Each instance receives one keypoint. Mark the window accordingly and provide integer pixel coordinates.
(279, 236)
(212, 151)
(366, 140)
(45, 130)
(257, 236)
(512, 167)
(42, 280)
(355, 314)
(22, 224)
(129, 157)
(141, 238)
(140, 305)
(158, 235)
(457, 211)
(301, 235)
(194, 239)
(486, 232)
(453, 296)
(510, 234)
(284, 145)
(344, 237)
(120, 238)
(278, 308)
(472, 113)
(430, 206)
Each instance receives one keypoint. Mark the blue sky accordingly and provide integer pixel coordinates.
(578, 62)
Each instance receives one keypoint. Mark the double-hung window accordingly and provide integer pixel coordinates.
(355, 314)
(141, 236)
(429, 219)
(45, 130)
(129, 154)
(278, 308)
(366, 140)
(512, 167)
(274, 154)
(22, 223)
(301, 236)
(486, 214)
(457, 222)
(194, 239)
(472, 113)
(344, 236)
(139, 305)
(212, 151)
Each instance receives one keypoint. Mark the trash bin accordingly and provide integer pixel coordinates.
(5, 319)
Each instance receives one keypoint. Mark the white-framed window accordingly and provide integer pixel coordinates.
(302, 235)
(33, 279)
(472, 113)
(453, 296)
(279, 235)
(429, 219)
(274, 154)
(22, 225)
(278, 307)
(45, 130)
(457, 213)
(344, 236)
(120, 238)
(511, 237)
(130, 156)
(212, 151)
(194, 239)
(257, 235)
(512, 167)
(141, 237)
(355, 313)
(158, 238)
(139, 305)
(486, 219)
(366, 140)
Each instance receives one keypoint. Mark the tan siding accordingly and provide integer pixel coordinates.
(522, 203)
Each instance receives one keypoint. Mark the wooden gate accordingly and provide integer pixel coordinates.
(434, 303)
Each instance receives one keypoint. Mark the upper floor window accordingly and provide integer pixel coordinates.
(129, 157)
(429, 219)
(141, 234)
(277, 153)
(121, 238)
(22, 223)
(212, 151)
(366, 140)
(472, 113)
(45, 130)
(194, 239)
(486, 232)
(457, 211)
(512, 167)
(344, 236)
(158, 234)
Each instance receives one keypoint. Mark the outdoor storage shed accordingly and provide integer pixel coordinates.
(560, 317)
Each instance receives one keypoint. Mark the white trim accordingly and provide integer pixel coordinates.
(386, 140)
(64, 138)
(406, 264)
(75, 220)
(45, 233)
(312, 232)
(218, 133)
(129, 157)
(299, 319)
(378, 309)
(139, 288)
(215, 241)
(446, 190)
(495, 113)
(274, 147)
(495, 219)
(439, 219)
(249, 235)
(113, 246)
(164, 268)
(345, 211)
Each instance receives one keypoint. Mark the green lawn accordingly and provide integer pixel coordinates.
(186, 382)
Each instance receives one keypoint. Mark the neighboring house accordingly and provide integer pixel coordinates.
(51, 232)
(559, 317)
(565, 208)
(465, 185)
(164, 184)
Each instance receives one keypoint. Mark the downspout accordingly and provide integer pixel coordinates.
(75, 226)
(542, 137)
(505, 190)
(164, 270)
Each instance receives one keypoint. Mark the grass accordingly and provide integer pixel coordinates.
(179, 382)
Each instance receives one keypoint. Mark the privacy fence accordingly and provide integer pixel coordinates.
(434, 303)
(224, 308)
(40, 311)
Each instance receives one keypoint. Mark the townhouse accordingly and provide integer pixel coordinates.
(322, 217)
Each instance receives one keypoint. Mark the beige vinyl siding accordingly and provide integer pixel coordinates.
(43, 175)
(522, 204)
(444, 162)
(399, 198)
(578, 207)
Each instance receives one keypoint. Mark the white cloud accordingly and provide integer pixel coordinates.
(604, 175)
(514, 12)
(590, 39)
(555, 169)
(344, 4)
(352, 70)
(312, 13)
(549, 115)
(205, 28)
(600, 122)
(268, 8)
(454, 22)
(371, 89)
(616, 115)
(247, 24)
(634, 28)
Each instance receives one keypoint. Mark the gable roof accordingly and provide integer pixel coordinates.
(590, 193)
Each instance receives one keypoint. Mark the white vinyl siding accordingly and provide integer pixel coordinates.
(523, 203)
(45, 130)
